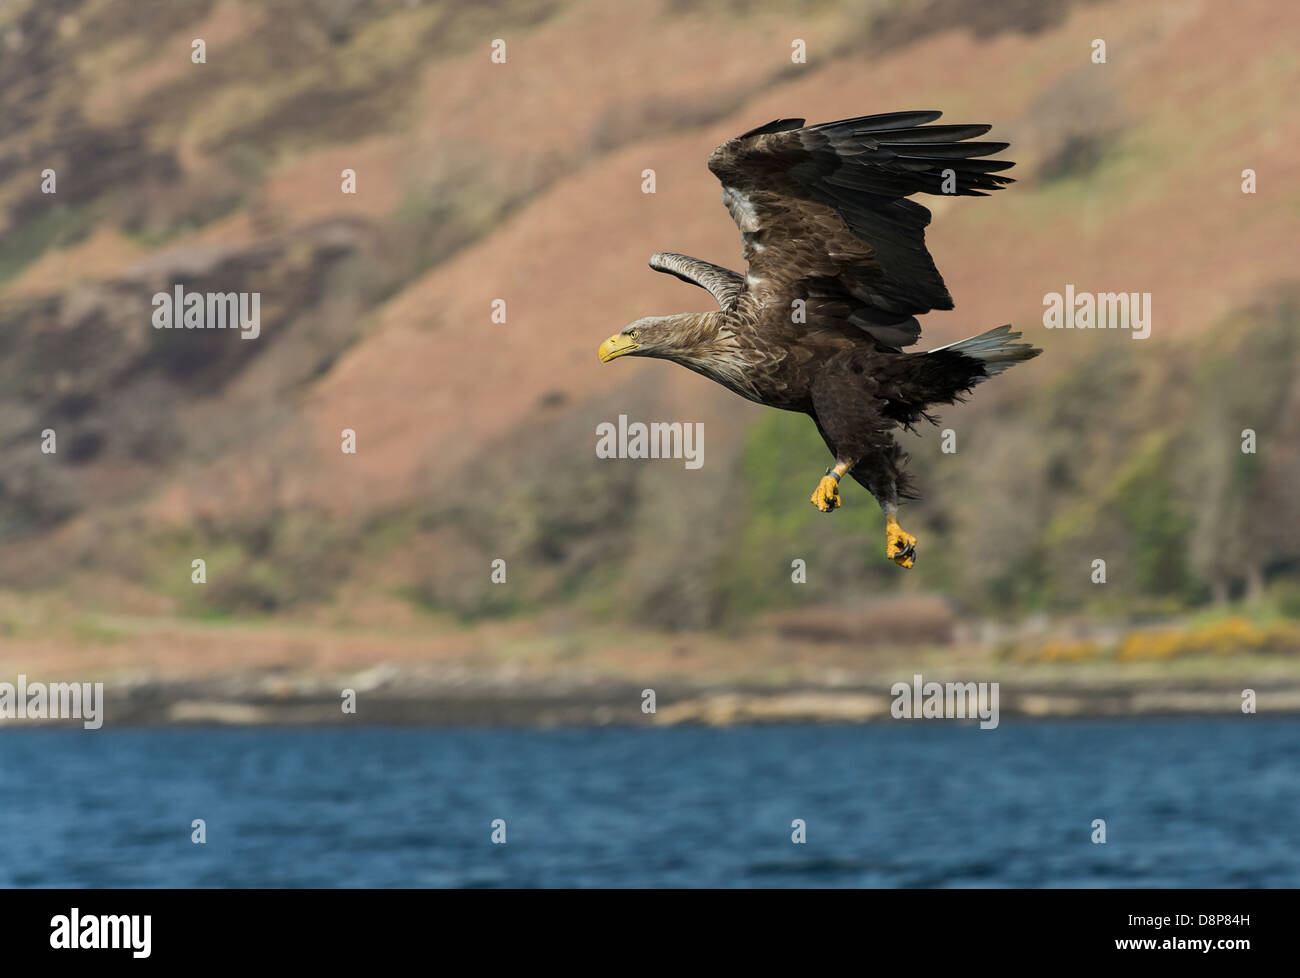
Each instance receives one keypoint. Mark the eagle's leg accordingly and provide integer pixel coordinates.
(900, 546)
(852, 423)
(881, 475)
(826, 497)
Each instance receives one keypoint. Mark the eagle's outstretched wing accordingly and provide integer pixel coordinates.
(722, 283)
(823, 215)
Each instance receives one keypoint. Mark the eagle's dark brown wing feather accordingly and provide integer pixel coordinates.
(824, 217)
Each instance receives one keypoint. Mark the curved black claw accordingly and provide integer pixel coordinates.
(906, 557)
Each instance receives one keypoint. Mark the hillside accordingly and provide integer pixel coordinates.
(522, 182)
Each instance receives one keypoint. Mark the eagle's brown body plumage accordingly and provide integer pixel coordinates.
(838, 271)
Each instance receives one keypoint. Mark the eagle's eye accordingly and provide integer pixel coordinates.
(633, 333)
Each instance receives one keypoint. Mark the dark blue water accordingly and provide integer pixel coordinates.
(1186, 803)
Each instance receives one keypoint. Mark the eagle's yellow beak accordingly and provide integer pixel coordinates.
(616, 346)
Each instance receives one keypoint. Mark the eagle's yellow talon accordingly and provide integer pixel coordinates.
(827, 494)
(900, 546)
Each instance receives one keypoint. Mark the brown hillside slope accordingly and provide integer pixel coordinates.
(537, 166)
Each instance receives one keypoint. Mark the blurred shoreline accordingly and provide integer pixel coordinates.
(798, 666)
(403, 697)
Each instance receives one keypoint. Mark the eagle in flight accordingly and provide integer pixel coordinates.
(838, 273)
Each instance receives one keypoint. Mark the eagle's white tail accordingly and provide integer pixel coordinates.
(996, 350)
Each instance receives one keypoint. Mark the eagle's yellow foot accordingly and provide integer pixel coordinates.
(900, 546)
(826, 496)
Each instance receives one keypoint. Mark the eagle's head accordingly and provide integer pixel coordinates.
(653, 336)
(698, 341)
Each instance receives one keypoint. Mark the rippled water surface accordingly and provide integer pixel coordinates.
(1204, 802)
